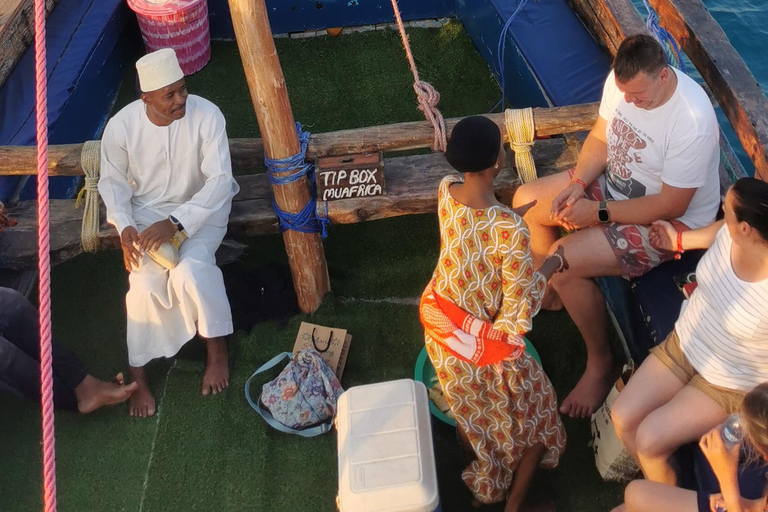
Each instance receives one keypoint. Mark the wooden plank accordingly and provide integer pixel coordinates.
(733, 84)
(609, 21)
(64, 160)
(411, 188)
(17, 32)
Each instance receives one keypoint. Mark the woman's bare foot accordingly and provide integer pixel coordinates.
(142, 403)
(93, 393)
(216, 377)
(591, 390)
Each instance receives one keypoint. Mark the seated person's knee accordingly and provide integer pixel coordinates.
(650, 442)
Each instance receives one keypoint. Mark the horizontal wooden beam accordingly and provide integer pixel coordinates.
(16, 32)
(64, 160)
(726, 73)
(412, 183)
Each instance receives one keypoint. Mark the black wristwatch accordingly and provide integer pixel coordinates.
(602, 212)
(176, 223)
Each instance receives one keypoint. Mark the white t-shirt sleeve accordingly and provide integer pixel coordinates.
(610, 99)
(688, 159)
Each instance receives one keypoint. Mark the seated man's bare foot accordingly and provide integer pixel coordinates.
(590, 391)
(216, 377)
(142, 403)
(551, 300)
(93, 393)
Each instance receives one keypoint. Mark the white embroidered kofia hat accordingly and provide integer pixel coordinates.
(158, 69)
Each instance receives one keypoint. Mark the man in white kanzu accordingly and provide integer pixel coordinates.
(652, 155)
(165, 167)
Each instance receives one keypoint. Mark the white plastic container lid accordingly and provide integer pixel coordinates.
(386, 457)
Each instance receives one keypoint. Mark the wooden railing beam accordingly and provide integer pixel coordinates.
(64, 160)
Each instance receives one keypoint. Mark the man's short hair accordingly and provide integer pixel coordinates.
(638, 53)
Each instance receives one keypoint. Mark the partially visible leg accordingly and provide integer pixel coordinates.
(199, 286)
(645, 496)
(141, 402)
(589, 255)
(20, 374)
(684, 419)
(544, 230)
(216, 377)
(523, 476)
(19, 323)
(652, 386)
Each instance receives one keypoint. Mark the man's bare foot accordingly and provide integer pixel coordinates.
(142, 403)
(591, 390)
(216, 377)
(551, 300)
(93, 393)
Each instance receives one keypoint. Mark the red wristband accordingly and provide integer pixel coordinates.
(680, 250)
(580, 182)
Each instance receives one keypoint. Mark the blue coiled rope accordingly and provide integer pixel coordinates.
(500, 50)
(306, 221)
(664, 38)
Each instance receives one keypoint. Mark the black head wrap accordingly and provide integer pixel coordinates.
(474, 144)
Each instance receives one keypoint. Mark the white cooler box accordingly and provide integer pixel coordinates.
(386, 458)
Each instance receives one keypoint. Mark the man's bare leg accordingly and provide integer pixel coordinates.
(93, 393)
(216, 377)
(589, 255)
(141, 403)
(544, 230)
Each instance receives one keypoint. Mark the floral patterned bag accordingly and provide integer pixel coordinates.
(302, 399)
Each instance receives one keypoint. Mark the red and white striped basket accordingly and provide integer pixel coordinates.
(178, 24)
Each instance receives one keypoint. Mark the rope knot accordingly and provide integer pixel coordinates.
(428, 98)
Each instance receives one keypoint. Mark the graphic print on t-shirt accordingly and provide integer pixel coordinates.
(625, 144)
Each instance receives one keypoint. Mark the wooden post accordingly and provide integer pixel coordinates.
(273, 112)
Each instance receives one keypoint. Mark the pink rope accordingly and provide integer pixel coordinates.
(426, 95)
(44, 263)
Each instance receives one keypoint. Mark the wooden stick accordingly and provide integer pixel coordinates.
(733, 84)
(16, 32)
(64, 160)
(273, 112)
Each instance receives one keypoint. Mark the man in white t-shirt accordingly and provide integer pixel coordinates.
(652, 155)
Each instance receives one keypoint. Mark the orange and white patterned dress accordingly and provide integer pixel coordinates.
(486, 269)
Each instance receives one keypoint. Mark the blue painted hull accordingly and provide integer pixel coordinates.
(89, 43)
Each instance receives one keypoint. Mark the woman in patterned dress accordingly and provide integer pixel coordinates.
(475, 310)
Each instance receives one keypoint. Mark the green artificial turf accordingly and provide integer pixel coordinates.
(215, 453)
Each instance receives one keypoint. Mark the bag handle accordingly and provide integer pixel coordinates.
(309, 432)
(327, 346)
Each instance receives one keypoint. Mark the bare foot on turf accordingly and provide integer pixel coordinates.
(551, 300)
(216, 377)
(142, 403)
(590, 391)
(93, 393)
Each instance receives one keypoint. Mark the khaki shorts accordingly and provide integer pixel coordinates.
(670, 353)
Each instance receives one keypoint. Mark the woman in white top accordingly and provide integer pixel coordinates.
(719, 348)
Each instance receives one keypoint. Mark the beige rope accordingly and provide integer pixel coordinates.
(90, 160)
(520, 131)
